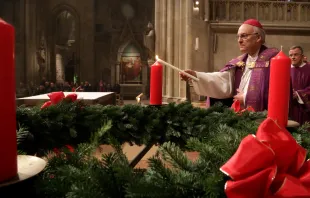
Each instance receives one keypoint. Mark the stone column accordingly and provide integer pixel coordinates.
(170, 47)
(113, 75)
(206, 10)
(117, 73)
(60, 68)
(157, 26)
(163, 45)
(188, 43)
(32, 72)
(182, 46)
(144, 76)
(177, 45)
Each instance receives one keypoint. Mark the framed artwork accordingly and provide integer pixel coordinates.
(131, 68)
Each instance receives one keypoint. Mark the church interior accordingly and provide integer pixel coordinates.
(92, 41)
(86, 120)
(104, 41)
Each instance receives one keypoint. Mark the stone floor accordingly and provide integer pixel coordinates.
(132, 151)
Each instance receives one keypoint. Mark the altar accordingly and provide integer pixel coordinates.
(90, 98)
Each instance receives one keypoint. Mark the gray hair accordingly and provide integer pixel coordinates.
(261, 33)
(297, 47)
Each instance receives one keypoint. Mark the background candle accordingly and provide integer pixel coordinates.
(8, 144)
(156, 84)
(279, 88)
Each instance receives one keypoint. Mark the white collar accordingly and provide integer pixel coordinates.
(303, 64)
(253, 57)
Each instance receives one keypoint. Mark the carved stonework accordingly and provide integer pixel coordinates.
(149, 40)
(269, 11)
(41, 57)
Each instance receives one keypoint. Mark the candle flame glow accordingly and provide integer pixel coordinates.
(156, 57)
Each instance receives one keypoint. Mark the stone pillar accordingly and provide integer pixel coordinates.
(177, 45)
(60, 68)
(32, 70)
(188, 43)
(157, 25)
(113, 75)
(173, 23)
(182, 84)
(170, 47)
(117, 73)
(206, 10)
(163, 45)
(146, 72)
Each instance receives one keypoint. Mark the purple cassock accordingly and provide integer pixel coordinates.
(257, 94)
(301, 83)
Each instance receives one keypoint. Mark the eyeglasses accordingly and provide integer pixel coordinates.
(244, 36)
(292, 55)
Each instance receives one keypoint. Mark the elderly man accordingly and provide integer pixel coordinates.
(245, 78)
(300, 74)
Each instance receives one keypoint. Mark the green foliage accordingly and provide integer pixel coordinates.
(172, 174)
(79, 174)
(214, 133)
(73, 123)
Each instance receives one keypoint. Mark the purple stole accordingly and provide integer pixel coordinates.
(257, 93)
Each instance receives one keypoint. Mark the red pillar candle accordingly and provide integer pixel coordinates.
(279, 88)
(156, 84)
(8, 143)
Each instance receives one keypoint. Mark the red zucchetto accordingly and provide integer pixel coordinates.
(253, 22)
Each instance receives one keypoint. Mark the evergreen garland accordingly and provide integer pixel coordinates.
(215, 133)
(73, 123)
(170, 174)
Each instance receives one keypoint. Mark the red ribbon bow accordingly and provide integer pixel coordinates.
(56, 97)
(269, 165)
(236, 106)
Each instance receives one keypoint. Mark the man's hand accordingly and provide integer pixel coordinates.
(239, 96)
(294, 95)
(186, 78)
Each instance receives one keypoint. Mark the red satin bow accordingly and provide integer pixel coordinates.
(269, 165)
(236, 106)
(56, 97)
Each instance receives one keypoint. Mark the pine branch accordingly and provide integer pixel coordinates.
(175, 156)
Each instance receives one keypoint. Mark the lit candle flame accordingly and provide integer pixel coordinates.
(138, 98)
(156, 57)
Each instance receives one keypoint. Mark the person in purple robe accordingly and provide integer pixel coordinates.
(245, 78)
(300, 75)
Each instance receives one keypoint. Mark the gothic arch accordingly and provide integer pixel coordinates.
(125, 44)
(129, 57)
(52, 38)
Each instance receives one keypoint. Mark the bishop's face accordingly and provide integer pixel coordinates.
(249, 41)
(296, 57)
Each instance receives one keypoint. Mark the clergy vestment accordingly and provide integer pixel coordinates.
(300, 106)
(248, 73)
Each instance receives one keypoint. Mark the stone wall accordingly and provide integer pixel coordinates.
(117, 23)
(227, 46)
(84, 10)
(13, 13)
(174, 43)
(102, 30)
